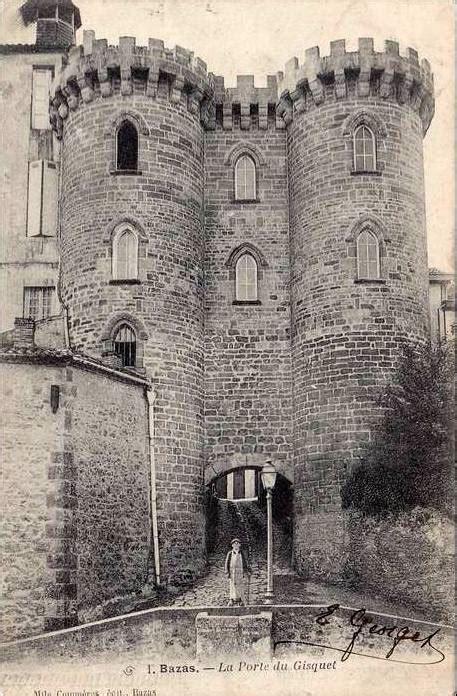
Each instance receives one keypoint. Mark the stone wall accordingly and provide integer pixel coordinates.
(158, 634)
(76, 478)
(26, 487)
(408, 558)
(108, 430)
(248, 393)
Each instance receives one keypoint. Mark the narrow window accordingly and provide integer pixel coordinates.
(367, 255)
(245, 179)
(125, 345)
(38, 302)
(41, 83)
(127, 147)
(246, 278)
(125, 255)
(364, 149)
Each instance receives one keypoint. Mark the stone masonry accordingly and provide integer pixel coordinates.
(76, 477)
(347, 332)
(293, 376)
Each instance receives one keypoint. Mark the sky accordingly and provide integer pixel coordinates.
(259, 36)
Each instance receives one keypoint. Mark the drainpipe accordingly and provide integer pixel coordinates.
(151, 397)
(58, 239)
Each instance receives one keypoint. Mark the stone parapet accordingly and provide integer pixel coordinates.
(362, 73)
(96, 69)
(246, 106)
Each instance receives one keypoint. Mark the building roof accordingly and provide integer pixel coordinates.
(35, 355)
(29, 9)
(435, 275)
(6, 49)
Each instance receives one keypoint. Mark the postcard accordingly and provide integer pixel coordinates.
(226, 347)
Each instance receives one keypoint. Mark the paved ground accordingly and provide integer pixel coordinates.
(247, 521)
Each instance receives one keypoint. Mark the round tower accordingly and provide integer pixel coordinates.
(131, 247)
(355, 123)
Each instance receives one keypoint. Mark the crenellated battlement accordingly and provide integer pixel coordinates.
(95, 68)
(387, 75)
(246, 106)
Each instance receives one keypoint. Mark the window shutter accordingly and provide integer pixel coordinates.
(42, 199)
(41, 83)
(34, 207)
(49, 213)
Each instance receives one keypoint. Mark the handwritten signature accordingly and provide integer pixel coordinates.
(365, 625)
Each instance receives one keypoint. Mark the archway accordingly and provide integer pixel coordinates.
(236, 506)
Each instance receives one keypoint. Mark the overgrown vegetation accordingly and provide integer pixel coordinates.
(409, 461)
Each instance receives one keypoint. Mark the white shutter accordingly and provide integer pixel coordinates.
(49, 209)
(42, 199)
(34, 202)
(41, 84)
(249, 483)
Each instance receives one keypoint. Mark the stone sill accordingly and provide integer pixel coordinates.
(125, 172)
(246, 200)
(367, 172)
(125, 281)
(370, 281)
(239, 303)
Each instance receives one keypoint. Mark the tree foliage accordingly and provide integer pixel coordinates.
(409, 460)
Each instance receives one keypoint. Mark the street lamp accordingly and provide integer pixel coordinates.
(268, 480)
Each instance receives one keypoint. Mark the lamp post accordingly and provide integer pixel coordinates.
(268, 480)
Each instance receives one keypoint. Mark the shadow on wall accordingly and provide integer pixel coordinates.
(407, 557)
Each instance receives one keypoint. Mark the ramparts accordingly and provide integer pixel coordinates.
(361, 73)
(98, 68)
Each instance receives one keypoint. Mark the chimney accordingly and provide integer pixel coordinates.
(24, 332)
(56, 22)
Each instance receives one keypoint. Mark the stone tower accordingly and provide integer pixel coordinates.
(355, 123)
(335, 225)
(132, 192)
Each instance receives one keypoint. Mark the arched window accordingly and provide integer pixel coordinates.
(127, 147)
(125, 345)
(245, 179)
(246, 278)
(367, 255)
(125, 254)
(364, 144)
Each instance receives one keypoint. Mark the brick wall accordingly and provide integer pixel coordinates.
(347, 334)
(165, 204)
(248, 400)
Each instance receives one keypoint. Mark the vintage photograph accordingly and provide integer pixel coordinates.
(227, 341)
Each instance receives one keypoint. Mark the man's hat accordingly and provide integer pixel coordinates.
(234, 541)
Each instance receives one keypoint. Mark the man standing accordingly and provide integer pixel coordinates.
(236, 567)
